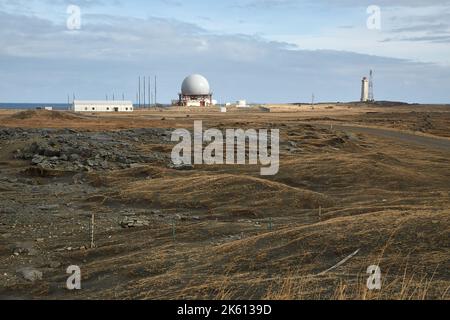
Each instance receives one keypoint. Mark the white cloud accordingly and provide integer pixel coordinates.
(109, 52)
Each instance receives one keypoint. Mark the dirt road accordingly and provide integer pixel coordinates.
(408, 138)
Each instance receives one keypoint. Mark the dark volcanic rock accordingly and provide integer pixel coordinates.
(69, 150)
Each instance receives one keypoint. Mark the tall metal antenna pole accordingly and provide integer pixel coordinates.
(149, 92)
(139, 91)
(123, 96)
(156, 103)
(145, 89)
(371, 93)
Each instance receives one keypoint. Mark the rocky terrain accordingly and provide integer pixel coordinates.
(69, 150)
(109, 200)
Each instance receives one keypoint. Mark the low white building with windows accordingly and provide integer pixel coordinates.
(102, 106)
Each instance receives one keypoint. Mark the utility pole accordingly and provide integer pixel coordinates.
(312, 101)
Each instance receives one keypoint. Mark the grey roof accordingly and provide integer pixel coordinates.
(102, 102)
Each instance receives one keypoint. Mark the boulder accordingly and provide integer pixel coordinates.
(24, 248)
(30, 274)
(181, 167)
(74, 157)
(132, 222)
(37, 159)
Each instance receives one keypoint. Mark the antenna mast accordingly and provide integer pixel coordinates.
(145, 106)
(139, 92)
(156, 103)
(149, 93)
(371, 93)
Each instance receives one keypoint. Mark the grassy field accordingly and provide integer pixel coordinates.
(225, 232)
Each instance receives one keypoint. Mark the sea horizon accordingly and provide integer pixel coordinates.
(36, 105)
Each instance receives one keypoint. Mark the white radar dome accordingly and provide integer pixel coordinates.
(195, 85)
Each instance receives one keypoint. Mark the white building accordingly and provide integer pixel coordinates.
(241, 104)
(102, 106)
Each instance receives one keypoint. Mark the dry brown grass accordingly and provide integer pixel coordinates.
(385, 198)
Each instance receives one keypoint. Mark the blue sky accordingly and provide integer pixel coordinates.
(259, 50)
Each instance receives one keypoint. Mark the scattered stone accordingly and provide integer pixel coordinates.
(68, 150)
(128, 213)
(30, 274)
(24, 248)
(55, 264)
(49, 207)
(134, 223)
(37, 159)
(182, 217)
(181, 167)
(74, 157)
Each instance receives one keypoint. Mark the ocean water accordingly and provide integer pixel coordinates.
(28, 106)
(55, 106)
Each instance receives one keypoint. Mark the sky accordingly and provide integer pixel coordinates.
(264, 51)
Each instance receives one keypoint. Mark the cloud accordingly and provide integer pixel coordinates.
(42, 60)
(384, 3)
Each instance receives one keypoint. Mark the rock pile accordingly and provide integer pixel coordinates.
(74, 151)
(134, 222)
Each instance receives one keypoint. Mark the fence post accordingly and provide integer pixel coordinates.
(174, 231)
(92, 230)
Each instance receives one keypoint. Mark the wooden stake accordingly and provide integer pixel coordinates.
(174, 230)
(270, 224)
(92, 230)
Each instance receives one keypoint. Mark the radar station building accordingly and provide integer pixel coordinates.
(195, 92)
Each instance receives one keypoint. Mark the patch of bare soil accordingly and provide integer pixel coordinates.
(44, 115)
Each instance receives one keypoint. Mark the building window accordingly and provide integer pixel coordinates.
(93, 109)
(107, 108)
(126, 109)
(85, 109)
